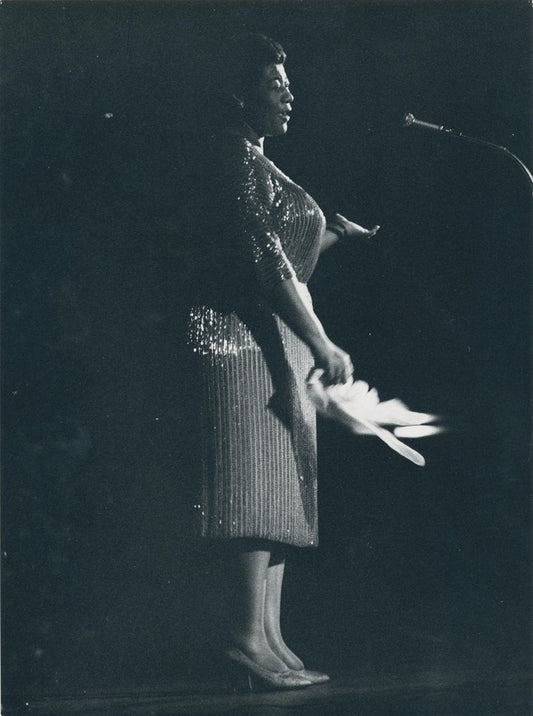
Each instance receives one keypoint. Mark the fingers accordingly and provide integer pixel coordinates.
(341, 370)
(355, 230)
(335, 364)
(348, 368)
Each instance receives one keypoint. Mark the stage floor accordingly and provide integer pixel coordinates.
(428, 693)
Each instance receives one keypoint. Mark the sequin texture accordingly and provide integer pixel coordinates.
(215, 334)
(256, 427)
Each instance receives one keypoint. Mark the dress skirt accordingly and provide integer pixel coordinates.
(256, 428)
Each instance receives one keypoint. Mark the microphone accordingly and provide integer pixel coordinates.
(410, 120)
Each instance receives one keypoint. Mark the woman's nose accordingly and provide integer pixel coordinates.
(288, 96)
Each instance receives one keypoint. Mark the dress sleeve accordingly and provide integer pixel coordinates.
(250, 196)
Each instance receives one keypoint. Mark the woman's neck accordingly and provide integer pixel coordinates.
(244, 129)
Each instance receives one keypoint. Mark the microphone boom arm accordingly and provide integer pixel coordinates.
(410, 120)
(497, 147)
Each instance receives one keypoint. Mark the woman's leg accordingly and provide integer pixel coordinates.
(248, 583)
(273, 588)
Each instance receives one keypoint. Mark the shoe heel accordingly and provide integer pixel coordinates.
(239, 680)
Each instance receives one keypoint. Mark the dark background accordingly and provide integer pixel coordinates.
(419, 569)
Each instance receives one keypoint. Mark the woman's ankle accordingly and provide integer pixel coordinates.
(257, 648)
(282, 651)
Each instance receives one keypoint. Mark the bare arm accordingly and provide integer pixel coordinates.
(289, 299)
(328, 239)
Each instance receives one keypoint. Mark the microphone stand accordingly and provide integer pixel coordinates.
(473, 140)
(497, 147)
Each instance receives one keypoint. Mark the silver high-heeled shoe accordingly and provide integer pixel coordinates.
(255, 677)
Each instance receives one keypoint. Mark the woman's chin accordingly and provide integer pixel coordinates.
(278, 131)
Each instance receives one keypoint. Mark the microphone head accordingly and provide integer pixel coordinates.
(408, 119)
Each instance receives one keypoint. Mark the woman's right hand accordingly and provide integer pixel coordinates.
(291, 300)
(336, 363)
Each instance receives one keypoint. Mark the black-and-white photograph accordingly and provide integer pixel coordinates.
(266, 353)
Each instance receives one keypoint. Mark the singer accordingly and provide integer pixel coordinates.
(253, 338)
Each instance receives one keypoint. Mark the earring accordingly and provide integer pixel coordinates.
(238, 101)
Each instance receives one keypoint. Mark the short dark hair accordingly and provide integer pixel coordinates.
(244, 58)
(234, 68)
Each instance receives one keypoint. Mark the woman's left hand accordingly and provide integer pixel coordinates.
(353, 230)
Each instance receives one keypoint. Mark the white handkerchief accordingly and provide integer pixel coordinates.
(358, 407)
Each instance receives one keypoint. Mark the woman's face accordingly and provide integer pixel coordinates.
(268, 109)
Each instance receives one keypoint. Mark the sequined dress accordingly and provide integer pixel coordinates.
(256, 427)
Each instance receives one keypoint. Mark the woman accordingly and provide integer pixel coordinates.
(254, 338)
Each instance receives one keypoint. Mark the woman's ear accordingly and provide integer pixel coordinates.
(238, 101)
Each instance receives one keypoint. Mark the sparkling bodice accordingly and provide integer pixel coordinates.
(263, 229)
(274, 218)
(259, 228)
